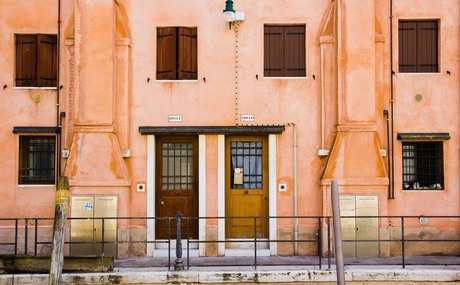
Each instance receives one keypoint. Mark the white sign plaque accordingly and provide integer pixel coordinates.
(174, 118)
(248, 118)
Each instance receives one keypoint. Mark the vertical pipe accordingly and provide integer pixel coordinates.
(337, 233)
(296, 222)
(392, 171)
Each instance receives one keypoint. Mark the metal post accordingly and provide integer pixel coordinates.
(402, 243)
(16, 224)
(328, 243)
(103, 237)
(36, 236)
(26, 235)
(337, 233)
(255, 243)
(320, 242)
(179, 265)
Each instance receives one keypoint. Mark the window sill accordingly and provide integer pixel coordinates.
(286, 78)
(36, 185)
(33, 88)
(174, 80)
(420, 73)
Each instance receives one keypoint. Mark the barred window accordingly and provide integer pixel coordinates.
(177, 166)
(423, 165)
(246, 158)
(36, 160)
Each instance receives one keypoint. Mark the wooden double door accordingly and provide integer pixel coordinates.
(246, 190)
(176, 186)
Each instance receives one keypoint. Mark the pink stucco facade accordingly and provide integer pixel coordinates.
(335, 121)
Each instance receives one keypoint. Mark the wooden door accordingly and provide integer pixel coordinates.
(176, 186)
(246, 187)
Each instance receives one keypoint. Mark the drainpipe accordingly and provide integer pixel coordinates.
(296, 222)
(58, 115)
(391, 147)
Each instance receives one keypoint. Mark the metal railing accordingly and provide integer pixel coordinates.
(19, 235)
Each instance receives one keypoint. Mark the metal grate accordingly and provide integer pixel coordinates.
(177, 166)
(423, 166)
(36, 159)
(247, 157)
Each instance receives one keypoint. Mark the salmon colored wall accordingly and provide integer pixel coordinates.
(125, 98)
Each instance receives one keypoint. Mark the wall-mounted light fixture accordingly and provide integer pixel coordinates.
(230, 15)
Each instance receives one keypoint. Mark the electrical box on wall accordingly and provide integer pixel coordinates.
(140, 187)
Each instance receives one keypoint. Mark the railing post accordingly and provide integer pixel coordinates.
(402, 243)
(103, 236)
(328, 242)
(255, 242)
(36, 236)
(179, 265)
(320, 243)
(26, 235)
(16, 225)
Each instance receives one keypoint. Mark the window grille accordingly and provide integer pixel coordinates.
(247, 157)
(422, 165)
(177, 166)
(36, 159)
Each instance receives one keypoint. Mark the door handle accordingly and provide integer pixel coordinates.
(162, 202)
(246, 191)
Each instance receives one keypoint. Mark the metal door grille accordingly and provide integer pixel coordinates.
(247, 155)
(177, 166)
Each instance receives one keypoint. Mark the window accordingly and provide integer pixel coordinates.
(418, 46)
(36, 60)
(36, 159)
(246, 161)
(284, 51)
(177, 53)
(422, 165)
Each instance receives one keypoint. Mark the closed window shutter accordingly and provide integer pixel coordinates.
(26, 53)
(273, 51)
(166, 53)
(46, 60)
(294, 39)
(187, 53)
(407, 37)
(427, 40)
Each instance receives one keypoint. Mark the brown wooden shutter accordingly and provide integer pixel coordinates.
(46, 60)
(427, 41)
(187, 53)
(294, 39)
(26, 53)
(407, 37)
(274, 51)
(166, 53)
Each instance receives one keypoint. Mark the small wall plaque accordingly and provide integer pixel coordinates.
(174, 118)
(247, 118)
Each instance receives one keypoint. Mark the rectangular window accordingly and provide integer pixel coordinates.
(284, 51)
(36, 160)
(246, 160)
(177, 53)
(36, 60)
(418, 46)
(422, 165)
